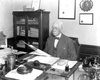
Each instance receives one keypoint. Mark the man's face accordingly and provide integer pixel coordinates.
(56, 30)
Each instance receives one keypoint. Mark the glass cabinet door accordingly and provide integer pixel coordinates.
(20, 22)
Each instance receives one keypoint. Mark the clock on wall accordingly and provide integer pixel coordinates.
(86, 5)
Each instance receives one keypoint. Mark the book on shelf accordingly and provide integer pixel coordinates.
(22, 31)
(35, 43)
(18, 30)
(33, 32)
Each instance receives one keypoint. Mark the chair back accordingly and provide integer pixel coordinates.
(77, 46)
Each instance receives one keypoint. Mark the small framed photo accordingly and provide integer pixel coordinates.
(86, 18)
(36, 4)
(66, 9)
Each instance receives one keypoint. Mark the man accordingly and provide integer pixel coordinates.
(59, 45)
(62, 47)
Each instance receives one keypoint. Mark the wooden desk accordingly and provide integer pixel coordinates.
(43, 76)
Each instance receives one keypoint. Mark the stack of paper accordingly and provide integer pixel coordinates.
(30, 76)
(33, 32)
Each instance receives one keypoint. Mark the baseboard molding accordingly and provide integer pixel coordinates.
(88, 50)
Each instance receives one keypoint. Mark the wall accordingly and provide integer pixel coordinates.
(87, 34)
(6, 7)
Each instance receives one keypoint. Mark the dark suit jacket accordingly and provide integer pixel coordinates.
(65, 47)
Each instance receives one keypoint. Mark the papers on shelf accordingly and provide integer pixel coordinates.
(62, 67)
(40, 53)
(46, 60)
(30, 76)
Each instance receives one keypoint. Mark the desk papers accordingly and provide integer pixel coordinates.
(30, 76)
(46, 60)
(62, 67)
(40, 53)
(6, 51)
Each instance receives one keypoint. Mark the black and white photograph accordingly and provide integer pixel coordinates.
(49, 40)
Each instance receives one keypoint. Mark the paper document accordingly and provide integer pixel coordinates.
(39, 52)
(64, 62)
(30, 76)
(46, 60)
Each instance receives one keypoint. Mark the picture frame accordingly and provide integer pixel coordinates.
(66, 9)
(86, 18)
(36, 4)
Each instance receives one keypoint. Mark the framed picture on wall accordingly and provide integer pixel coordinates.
(36, 4)
(66, 9)
(86, 18)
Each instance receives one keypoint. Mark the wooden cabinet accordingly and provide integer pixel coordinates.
(31, 27)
